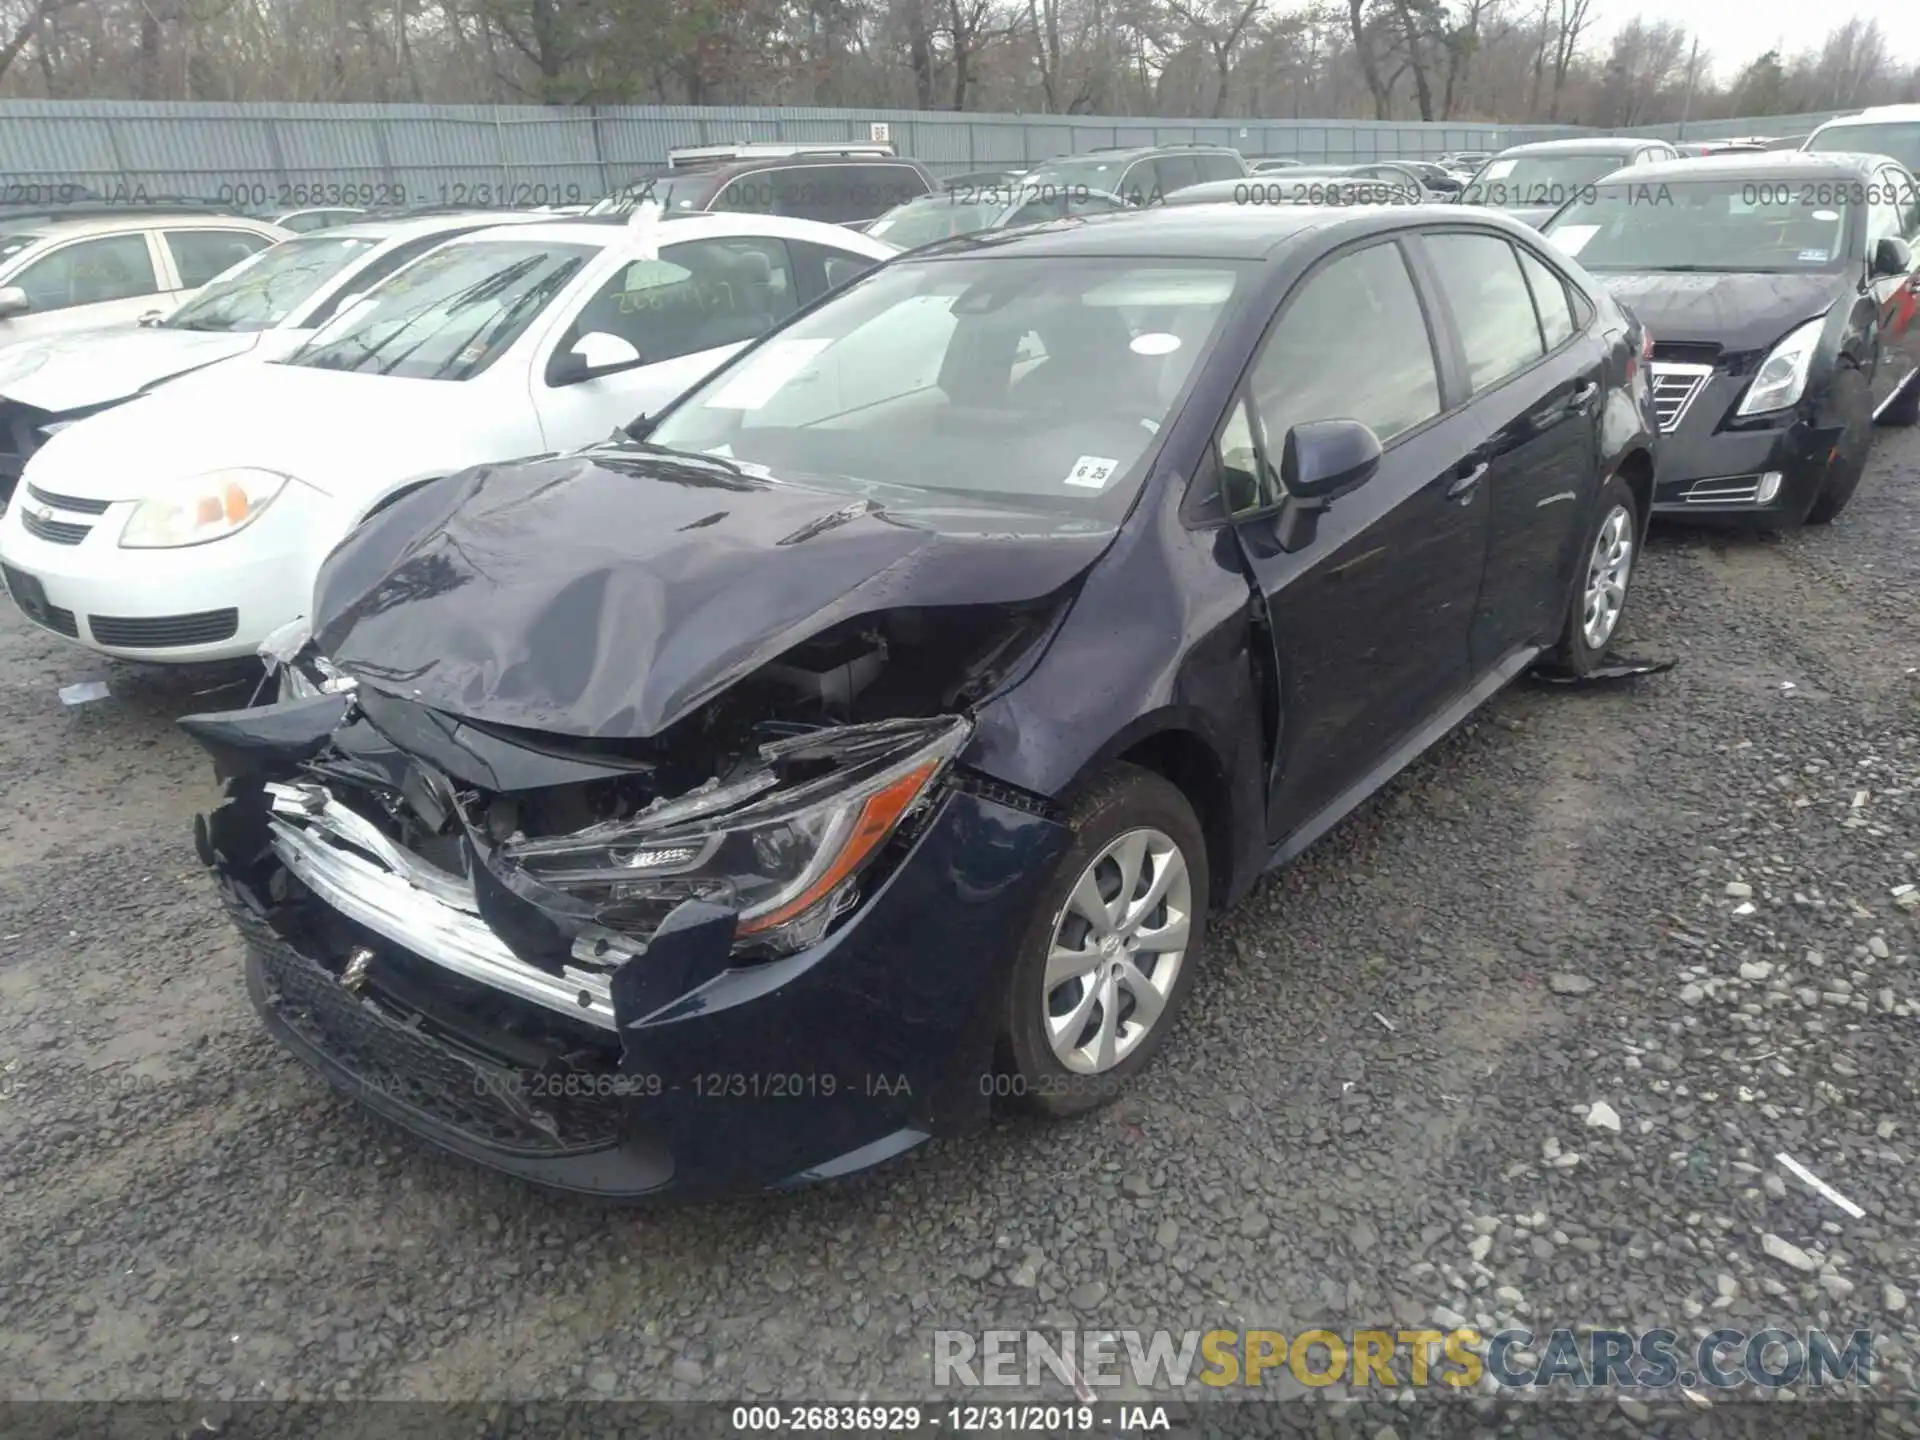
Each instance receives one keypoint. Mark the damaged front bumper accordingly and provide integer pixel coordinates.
(672, 1065)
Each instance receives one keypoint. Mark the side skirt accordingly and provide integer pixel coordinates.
(1409, 750)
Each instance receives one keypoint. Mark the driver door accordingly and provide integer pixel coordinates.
(681, 315)
(1895, 210)
(1372, 617)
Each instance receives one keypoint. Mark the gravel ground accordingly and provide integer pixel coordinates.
(1673, 900)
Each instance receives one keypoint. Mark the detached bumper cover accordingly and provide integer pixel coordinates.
(710, 1078)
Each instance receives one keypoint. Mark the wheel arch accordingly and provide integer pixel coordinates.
(1182, 757)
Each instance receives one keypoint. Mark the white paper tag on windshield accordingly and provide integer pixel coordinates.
(1091, 472)
(1816, 257)
(1498, 170)
(761, 377)
(1573, 238)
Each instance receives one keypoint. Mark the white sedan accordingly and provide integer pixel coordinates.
(188, 524)
(265, 307)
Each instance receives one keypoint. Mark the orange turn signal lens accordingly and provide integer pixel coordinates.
(879, 814)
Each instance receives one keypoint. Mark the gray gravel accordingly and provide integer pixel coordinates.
(1632, 943)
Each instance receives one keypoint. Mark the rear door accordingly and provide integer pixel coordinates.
(1370, 619)
(200, 254)
(1535, 377)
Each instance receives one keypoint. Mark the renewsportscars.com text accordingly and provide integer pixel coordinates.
(1725, 1359)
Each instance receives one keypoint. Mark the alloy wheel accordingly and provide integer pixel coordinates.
(1607, 573)
(1116, 951)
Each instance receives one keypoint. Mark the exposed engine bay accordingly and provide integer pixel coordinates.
(538, 865)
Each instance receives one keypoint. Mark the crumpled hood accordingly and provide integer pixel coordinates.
(94, 367)
(609, 592)
(1736, 312)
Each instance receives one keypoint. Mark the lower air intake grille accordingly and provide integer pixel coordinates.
(1674, 389)
(414, 1069)
(57, 532)
(159, 632)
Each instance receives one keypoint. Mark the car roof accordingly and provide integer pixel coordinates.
(408, 228)
(1582, 145)
(1135, 152)
(1877, 115)
(1754, 165)
(55, 228)
(1208, 232)
(602, 235)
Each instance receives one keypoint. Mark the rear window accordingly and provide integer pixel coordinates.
(1899, 139)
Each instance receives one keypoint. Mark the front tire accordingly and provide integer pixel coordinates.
(1854, 400)
(1605, 576)
(1107, 960)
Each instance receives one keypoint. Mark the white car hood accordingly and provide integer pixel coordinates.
(93, 367)
(340, 432)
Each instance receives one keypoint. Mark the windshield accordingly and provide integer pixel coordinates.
(1523, 180)
(1078, 176)
(449, 315)
(921, 222)
(1749, 226)
(12, 245)
(262, 291)
(1901, 141)
(669, 192)
(1044, 382)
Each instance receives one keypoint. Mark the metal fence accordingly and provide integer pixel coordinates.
(288, 155)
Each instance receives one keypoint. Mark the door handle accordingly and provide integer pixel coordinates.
(1466, 479)
(1583, 397)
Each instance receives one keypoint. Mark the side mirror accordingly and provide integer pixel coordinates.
(13, 301)
(1892, 256)
(594, 354)
(1320, 461)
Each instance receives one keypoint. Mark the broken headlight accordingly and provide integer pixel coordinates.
(784, 846)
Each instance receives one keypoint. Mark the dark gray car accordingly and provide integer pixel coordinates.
(1530, 182)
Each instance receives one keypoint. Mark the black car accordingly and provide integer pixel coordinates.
(1780, 292)
(1530, 182)
(874, 733)
(842, 185)
(1138, 174)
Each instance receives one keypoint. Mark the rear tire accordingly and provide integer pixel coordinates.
(1855, 402)
(1072, 1036)
(1602, 582)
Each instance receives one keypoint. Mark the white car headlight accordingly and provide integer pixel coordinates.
(1782, 377)
(205, 507)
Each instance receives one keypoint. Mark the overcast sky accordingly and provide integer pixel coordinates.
(1736, 32)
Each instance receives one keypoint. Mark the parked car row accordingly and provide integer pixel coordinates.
(719, 658)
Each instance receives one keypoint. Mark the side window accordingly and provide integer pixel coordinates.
(1140, 186)
(894, 185)
(377, 271)
(1217, 165)
(1175, 172)
(752, 193)
(1489, 299)
(1907, 192)
(830, 193)
(1549, 299)
(114, 267)
(199, 255)
(822, 268)
(696, 296)
(1352, 343)
(1246, 484)
(1892, 208)
(1883, 210)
